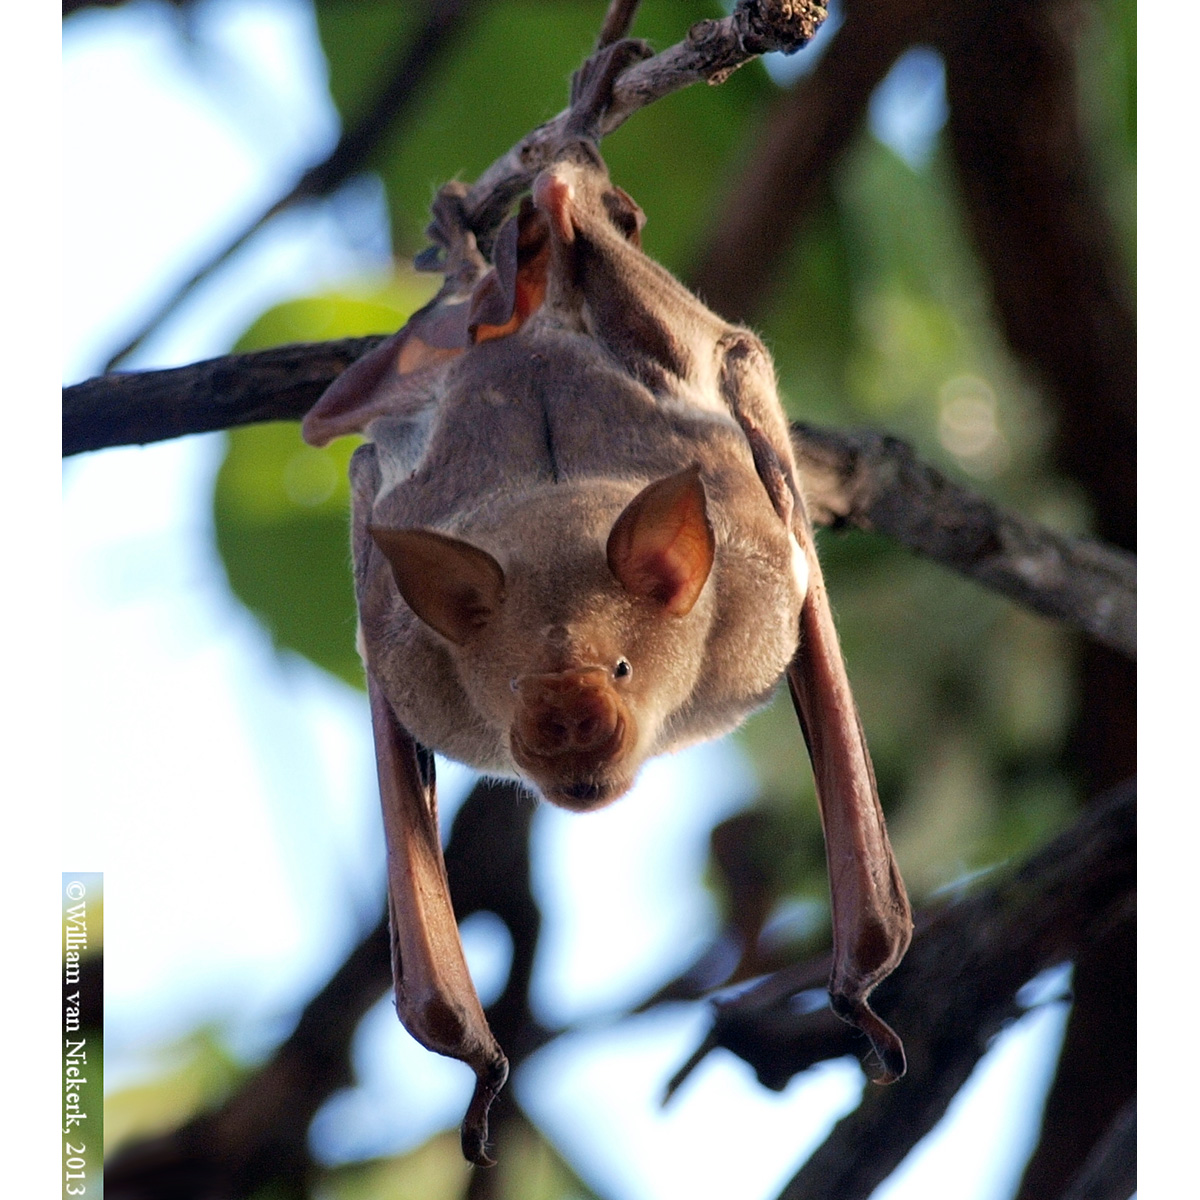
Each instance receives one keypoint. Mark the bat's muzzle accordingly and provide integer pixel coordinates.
(572, 734)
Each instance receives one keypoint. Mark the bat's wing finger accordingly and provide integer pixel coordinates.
(435, 997)
(872, 921)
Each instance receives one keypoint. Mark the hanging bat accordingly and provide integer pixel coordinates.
(579, 542)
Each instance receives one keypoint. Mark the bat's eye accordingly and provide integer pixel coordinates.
(622, 670)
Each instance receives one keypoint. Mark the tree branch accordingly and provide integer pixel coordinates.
(710, 53)
(135, 407)
(617, 22)
(950, 996)
(863, 479)
(877, 483)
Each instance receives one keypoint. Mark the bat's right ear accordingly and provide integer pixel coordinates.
(454, 587)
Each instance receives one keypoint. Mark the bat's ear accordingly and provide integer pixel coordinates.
(661, 547)
(391, 380)
(507, 296)
(454, 587)
(625, 213)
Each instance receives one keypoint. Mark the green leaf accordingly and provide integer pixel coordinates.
(281, 507)
(280, 512)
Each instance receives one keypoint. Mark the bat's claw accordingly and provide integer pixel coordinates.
(592, 86)
(885, 1041)
(489, 1080)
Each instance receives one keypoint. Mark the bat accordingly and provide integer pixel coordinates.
(580, 541)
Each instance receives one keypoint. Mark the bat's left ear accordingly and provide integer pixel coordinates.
(661, 547)
(454, 587)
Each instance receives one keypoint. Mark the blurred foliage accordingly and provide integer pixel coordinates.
(181, 1080)
(531, 1169)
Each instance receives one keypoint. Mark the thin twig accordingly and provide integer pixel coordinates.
(348, 157)
(711, 52)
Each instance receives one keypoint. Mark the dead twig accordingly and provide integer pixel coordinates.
(617, 22)
(351, 154)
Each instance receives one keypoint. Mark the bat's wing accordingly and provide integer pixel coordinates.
(401, 375)
(872, 921)
(435, 998)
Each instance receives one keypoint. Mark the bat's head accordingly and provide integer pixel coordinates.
(578, 649)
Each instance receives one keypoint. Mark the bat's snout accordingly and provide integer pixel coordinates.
(567, 712)
(571, 733)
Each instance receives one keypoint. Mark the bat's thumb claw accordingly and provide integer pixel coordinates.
(488, 1082)
(885, 1041)
(592, 85)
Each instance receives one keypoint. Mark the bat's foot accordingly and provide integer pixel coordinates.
(592, 87)
(886, 1043)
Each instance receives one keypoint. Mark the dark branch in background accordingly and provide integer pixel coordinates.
(877, 483)
(955, 990)
(805, 134)
(1110, 1172)
(73, 6)
(351, 154)
(1096, 1077)
(1041, 229)
(259, 1136)
(863, 479)
(1059, 286)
